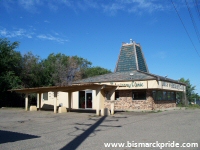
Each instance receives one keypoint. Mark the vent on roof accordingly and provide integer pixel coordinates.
(131, 74)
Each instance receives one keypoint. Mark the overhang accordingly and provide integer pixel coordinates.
(69, 88)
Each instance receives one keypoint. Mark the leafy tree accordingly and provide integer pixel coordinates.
(51, 66)
(26, 71)
(60, 69)
(32, 71)
(10, 68)
(190, 90)
(94, 71)
(82, 63)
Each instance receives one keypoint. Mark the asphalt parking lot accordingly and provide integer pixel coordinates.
(21, 130)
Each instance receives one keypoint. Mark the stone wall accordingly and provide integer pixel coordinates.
(126, 102)
(164, 104)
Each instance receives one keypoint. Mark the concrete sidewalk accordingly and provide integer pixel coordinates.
(43, 130)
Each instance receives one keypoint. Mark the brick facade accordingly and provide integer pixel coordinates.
(126, 102)
(164, 104)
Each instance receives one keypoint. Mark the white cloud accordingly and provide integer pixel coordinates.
(15, 33)
(51, 38)
(3, 32)
(135, 6)
(112, 8)
(22, 33)
(46, 21)
(91, 3)
(148, 6)
(86, 4)
(30, 5)
(26, 3)
(131, 6)
(52, 7)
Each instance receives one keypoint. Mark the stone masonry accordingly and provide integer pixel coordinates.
(126, 102)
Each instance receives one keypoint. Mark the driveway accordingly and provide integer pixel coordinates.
(21, 130)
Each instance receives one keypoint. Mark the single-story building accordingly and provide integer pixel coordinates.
(130, 87)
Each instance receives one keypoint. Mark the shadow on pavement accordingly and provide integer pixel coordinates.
(8, 136)
(79, 139)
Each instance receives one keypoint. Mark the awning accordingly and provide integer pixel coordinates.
(69, 88)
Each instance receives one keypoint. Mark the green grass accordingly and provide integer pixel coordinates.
(156, 111)
(194, 106)
(180, 105)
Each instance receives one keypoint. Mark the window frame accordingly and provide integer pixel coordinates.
(117, 97)
(139, 93)
(160, 95)
(45, 96)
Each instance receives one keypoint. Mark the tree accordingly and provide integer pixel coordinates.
(32, 71)
(10, 68)
(190, 90)
(60, 69)
(51, 65)
(29, 70)
(94, 71)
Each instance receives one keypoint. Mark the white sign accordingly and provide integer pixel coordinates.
(172, 85)
(129, 85)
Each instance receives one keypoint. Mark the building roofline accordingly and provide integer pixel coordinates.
(161, 78)
(155, 77)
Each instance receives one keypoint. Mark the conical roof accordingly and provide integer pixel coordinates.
(131, 58)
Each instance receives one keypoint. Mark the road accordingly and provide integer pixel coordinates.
(21, 130)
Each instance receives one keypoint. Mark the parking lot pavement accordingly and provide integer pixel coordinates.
(21, 130)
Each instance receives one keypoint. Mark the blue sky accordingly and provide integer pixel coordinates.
(95, 30)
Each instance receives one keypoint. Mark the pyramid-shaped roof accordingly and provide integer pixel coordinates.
(131, 58)
(131, 66)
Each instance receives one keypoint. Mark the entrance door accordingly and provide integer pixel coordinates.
(85, 99)
(88, 100)
(82, 99)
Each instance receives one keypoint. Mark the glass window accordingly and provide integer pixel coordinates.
(116, 95)
(45, 96)
(159, 95)
(165, 95)
(172, 96)
(154, 95)
(139, 95)
(168, 95)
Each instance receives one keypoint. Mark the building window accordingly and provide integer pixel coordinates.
(117, 95)
(163, 95)
(171, 96)
(45, 96)
(139, 95)
(159, 95)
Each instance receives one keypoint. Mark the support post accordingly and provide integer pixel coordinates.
(98, 98)
(26, 102)
(69, 101)
(55, 102)
(112, 107)
(112, 101)
(39, 101)
(184, 98)
(112, 94)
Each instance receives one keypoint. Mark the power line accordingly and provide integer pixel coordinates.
(193, 21)
(185, 28)
(197, 8)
